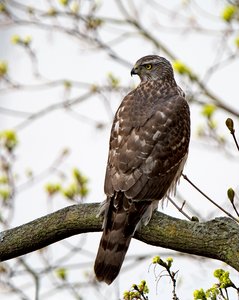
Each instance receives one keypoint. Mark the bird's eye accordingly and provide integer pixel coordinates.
(148, 66)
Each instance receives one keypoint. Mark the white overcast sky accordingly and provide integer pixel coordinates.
(61, 57)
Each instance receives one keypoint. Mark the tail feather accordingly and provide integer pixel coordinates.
(109, 260)
(120, 224)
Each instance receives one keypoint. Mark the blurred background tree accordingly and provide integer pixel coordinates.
(64, 68)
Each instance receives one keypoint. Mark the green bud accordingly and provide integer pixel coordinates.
(76, 174)
(225, 281)
(114, 81)
(4, 180)
(228, 13)
(180, 67)
(82, 180)
(94, 88)
(156, 260)
(126, 295)
(5, 194)
(63, 2)
(67, 84)
(27, 40)
(134, 295)
(94, 23)
(218, 273)
(2, 8)
(143, 287)
(3, 68)
(169, 261)
(51, 12)
(8, 138)
(15, 39)
(84, 191)
(52, 188)
(230, 124)
(61, 273)
(199, 295)
(231, 194)
(208, 110)
(30, 10)
(143, 282)
(71, 191)
(236, 41)
(212, 293)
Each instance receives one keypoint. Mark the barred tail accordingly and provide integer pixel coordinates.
(119, 227)
(112, 249)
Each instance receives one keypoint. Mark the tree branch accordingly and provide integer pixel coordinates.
(218, 238)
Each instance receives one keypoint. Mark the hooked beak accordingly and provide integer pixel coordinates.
(134, 71)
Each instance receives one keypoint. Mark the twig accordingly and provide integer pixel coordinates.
(180, 209)
(51, 108)
(42, 175)
(167, 264)
(235, 209)
(213, 202)
(13, 112)
(34, 275)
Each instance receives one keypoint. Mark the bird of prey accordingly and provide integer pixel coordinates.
(147, 151)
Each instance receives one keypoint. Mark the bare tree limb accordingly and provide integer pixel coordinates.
(218, 238)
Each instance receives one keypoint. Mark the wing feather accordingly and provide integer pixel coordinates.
(150, 145)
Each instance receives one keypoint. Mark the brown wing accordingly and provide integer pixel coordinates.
(149, 140)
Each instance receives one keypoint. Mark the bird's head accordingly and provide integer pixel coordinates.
(153, 67)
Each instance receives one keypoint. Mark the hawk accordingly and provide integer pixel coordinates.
(148, 149)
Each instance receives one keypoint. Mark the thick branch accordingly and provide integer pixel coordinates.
(218, 238)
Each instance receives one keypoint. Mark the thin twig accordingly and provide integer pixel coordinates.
(235, 140)
(213, 202)
(180, 209)
(52, 107)
(235, 209)
(42, 175)
(34, 275)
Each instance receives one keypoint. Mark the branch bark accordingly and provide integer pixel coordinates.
(217, 238)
